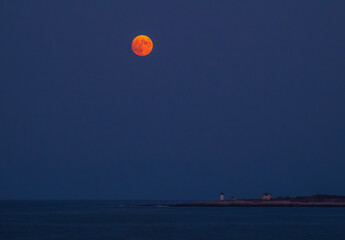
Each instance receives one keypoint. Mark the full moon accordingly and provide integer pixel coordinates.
(142, 45)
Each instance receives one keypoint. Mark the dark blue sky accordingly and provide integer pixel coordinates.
(236, 96)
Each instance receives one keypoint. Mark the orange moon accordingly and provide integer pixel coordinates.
(142, 45)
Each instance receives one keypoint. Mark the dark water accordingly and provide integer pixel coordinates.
(116, 220)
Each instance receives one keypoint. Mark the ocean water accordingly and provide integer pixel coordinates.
(121, 220)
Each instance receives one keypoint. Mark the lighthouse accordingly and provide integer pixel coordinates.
(221, 196)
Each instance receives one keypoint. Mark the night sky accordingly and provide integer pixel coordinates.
(237, 96)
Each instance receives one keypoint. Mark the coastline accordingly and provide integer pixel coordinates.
(266, 203)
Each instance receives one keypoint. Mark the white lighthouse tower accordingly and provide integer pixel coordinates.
(222, 196)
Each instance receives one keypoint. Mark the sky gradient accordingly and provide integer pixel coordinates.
(242, 97)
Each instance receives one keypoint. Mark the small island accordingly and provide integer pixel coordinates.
(267, 200)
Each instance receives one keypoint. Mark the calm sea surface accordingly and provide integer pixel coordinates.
(118, 220)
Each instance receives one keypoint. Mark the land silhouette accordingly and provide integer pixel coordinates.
(320, 200)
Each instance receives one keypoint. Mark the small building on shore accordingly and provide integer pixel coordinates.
(222, 196)
(266, 196)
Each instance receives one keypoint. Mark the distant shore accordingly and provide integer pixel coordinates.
(309, 201)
